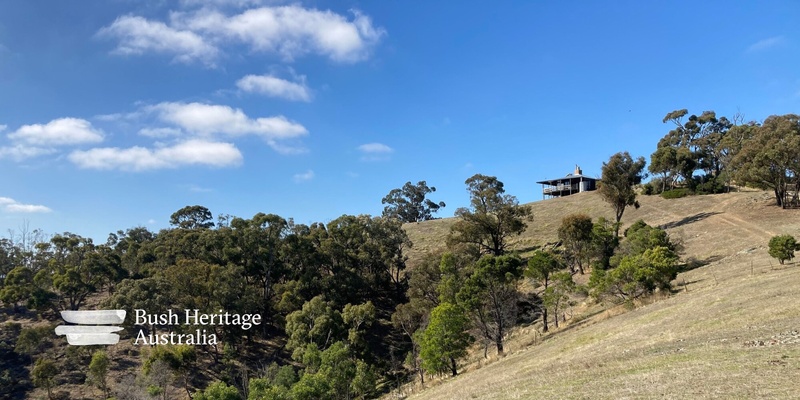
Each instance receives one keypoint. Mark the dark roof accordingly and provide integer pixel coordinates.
(568, 177)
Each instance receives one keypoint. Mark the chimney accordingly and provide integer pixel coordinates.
(578, 170)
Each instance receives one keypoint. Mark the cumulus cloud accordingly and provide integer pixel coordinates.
(289, 31)
(138, 36)
(40, 139)
(375, 152)
(3, 127)
(304, 177)
(58, 132)
(190, 152)
(275, 87)
(766, 44)
(209, 119)
(12, 206)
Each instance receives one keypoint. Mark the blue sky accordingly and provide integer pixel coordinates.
(115, 114)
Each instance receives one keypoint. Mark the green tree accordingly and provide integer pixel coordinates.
(408, 204)
(166, 362)
(218, 391)
(410, 319)
(44, 375)
(445, 340)
(575, 234)
(638, 275)
(192, 217)
(357, 318)
(619, 176)
(664, 161)
(770, 159)
(98, 371)
(782, 247)
(17, 287)
(604, 242)
(493, 218)
(490, 296)
(541, 266)
(317, 324)
(557, 293)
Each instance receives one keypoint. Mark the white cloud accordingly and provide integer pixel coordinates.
(304, 177)
(21, 152)
(375, 148)
(12, 206)
(375, 152)
(160, 132)
(275, 87)
(58, 132)
(766, 44)
(151, 221)
(3, 127)
(138, 36)
(232, 3)
(190, 152)
(199, 189)
(208, 119)
(290, 31)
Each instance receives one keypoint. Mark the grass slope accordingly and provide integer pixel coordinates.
(732, 331)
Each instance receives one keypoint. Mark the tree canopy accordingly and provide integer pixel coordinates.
(408, 204)
(492, 219)
(619, 176)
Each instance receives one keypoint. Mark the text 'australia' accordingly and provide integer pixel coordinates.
(191, 318)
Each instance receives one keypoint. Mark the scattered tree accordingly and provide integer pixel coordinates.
(575, 234)
(490, 296)
(492, 219)
(44, 374)
(541, 266)
(782, 247)
(445, 340)
(98, 371)
(408, 204)
(619, 176)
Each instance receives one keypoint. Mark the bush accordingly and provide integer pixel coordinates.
(782, 247)
(653, 187)
(676, 193)
(710, 184)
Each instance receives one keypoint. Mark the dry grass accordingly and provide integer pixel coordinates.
(734, 334)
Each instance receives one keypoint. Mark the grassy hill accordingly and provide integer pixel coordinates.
(730, 330)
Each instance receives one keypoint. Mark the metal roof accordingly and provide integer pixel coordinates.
(568, 177)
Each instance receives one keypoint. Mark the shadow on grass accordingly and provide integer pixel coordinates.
(582, 320)
(694, 263)
(688, 220)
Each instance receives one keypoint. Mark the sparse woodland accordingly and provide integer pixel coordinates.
(345, 315)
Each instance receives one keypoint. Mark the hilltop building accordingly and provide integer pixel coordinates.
(570, 184)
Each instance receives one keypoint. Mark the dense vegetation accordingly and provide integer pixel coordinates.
(763, 155)
(343, 316)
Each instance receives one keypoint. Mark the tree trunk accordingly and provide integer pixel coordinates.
(453, 366)
(544, 319)
(499, 343)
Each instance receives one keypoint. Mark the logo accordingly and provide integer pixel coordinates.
(93, 327)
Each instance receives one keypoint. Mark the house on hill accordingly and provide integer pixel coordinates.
(570, 184)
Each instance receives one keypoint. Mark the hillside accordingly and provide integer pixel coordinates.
(730, 330)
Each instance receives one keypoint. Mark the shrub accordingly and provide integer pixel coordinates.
(676, 193)
(782, 247)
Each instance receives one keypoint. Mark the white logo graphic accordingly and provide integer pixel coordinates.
(91, 329)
